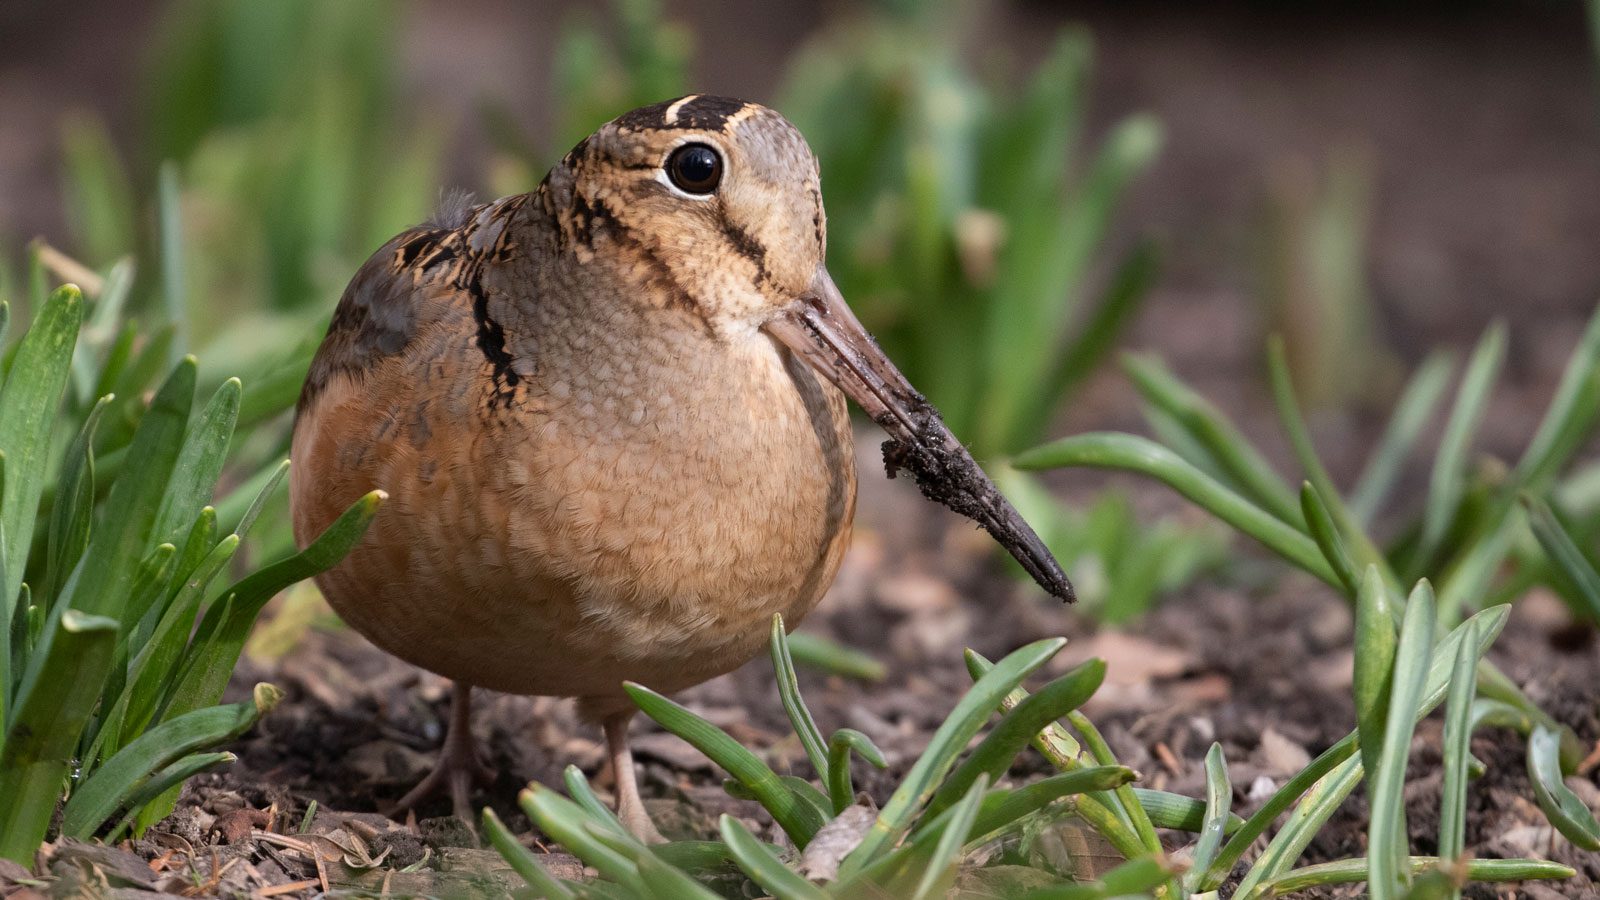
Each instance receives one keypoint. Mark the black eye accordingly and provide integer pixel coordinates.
(695, 168)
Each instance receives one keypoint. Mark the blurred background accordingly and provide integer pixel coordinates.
(1019, 187)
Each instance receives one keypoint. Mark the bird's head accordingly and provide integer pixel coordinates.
(714, 206)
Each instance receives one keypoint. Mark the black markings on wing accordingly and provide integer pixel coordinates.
(420, 276)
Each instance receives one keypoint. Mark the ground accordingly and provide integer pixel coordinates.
(1259, 662)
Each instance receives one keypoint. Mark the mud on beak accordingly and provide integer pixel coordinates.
(820, 329)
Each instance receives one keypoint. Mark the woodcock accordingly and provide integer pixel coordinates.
(610, 415)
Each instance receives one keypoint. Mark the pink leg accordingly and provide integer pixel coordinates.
(458, 767)
(630, 807)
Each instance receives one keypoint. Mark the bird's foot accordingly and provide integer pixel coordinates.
(459, 768)
(457, 772)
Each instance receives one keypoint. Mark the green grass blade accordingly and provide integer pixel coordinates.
(46, 724)
(1564, 554)
(939, 870)
(994, 756)
(1485, 626)
(834, 659)
(171, 777)
(1447, 483)
(567, 822)
(805, 727)
(1002, 809)
(1318, 805)
(28, 402)
(1561, 806)
(1354, 871)
(1373, 676)
(1179, 813)
(1570, 417)
(1294, 425)
(1411, 416)
(841, 789)
(222, 633)
(1388, 874)
(129, 515)
(1248, 472)
(239, 509)
(1320, 523)
(199, 465)
(946, 744)
(522, 859)
(1219, 803)
(765, 869)
(582, 794)
(665, 881)
(1135, 878)
(126, 772)
(1127, 803)
(797, 817)
(156, 662)
(1127, 452)
(1458, 750)
(72, 516)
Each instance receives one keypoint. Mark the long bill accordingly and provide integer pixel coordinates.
(820, 328)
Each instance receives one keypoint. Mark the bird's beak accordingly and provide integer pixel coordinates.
(820, 328)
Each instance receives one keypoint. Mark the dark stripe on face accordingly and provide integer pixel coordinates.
(702, 113)
(745, 245)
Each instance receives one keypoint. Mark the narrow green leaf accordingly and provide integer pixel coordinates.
(199, 463)
(169, 217)
(522, 859)
(567, 822)
(1564, 553)
(1135, 878)
(841, 789)
(167, 779)
(28, 402)
(764, 868)
(1248, 471)
(124, 530)
(1294, 425)
(1411, 416)
(1354, 871)
(123, 775)
(1561, 806)
(1003, 808)
(1318, 805)
(794, 705)
(582, 794)
(1447, 482)
(43, 737)
(1127, 803)
(939, 871)
(1388, 874)
(226, 625)
(994, 756)
(834, 659)
(237, 512)
(1458, 749)
(1219, 803)
(665, 882)
(72, 516)
(1570, 417)
(1135, 454)
(1373, 676)
(1326, 534)
(1488, 626)
(946, 744)
(1179, 813)
(798, 818)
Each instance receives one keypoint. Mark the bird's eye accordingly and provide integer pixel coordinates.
(695, 168)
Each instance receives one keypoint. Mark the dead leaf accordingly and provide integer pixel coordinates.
(820, 861)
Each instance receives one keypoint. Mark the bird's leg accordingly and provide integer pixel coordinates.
(458, 766)
(630, 807)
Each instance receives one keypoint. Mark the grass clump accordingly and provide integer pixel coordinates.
(118, 627)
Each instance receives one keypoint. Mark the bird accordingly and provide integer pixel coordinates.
(610, 414)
